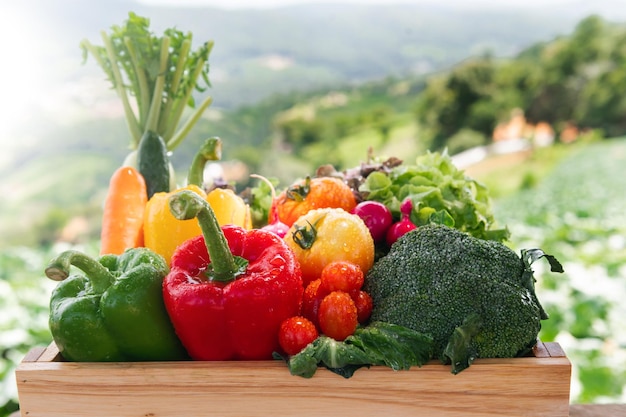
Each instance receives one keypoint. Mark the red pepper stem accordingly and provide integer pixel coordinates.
(185, 205)
(100, 277)
(211, 150)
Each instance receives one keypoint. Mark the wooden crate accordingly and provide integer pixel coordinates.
(530, 386)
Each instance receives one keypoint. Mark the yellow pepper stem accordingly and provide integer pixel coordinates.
(211, 150)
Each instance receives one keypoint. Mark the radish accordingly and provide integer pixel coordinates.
(404, 225)
(376, 216)
(277, 227)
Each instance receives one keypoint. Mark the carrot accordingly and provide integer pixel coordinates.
(122, 220)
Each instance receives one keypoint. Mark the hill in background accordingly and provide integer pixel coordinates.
(72, 132)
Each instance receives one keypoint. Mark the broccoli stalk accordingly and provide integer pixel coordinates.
(476, 298)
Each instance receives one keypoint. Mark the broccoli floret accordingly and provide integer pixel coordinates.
(475, 297)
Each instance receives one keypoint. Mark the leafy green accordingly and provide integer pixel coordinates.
(259, 198)
(394, 346)
(160, 73)
(440, 193)
(376, 344)
(459, 350)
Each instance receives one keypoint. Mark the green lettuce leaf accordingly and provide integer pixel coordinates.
(440, 192)
(377, 344)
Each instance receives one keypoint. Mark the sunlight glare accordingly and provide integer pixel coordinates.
(21, 70)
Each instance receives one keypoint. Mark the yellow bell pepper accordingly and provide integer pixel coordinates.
(229, 208)
(163, 233)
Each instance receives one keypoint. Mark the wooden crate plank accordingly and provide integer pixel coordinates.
(34, 354)
(51, 354)
(598, 410)
(555, 350)
(540, 351)
(497, 387)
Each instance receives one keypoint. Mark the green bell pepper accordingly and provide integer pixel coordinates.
(113, 310)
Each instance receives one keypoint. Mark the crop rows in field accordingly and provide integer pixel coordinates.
(578, 213)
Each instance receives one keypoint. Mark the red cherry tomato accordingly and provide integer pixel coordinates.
(338, 315)
(342, 276)
(364, 305)
(311, 300)
(295, 333)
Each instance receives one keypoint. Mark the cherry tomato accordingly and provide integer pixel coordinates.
(325, 235)
(338, 315)
(309, 194)
(377, 218)
(342, 276)
(311, 300)
(364, 305)
(295, 333)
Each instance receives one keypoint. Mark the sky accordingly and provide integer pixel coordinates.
(23, 70)
(234, 4)
(610, 9)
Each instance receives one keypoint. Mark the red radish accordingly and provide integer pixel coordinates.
(376, 216)
(402, 226)
(276, 226)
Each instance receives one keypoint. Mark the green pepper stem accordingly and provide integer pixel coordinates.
(225, 267)
(211, 150)
(100, 277)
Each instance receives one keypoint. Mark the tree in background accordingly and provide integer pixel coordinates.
(460, 99)
(572, 80)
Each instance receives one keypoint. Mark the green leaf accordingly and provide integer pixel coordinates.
(435, 185)
(392, 345)
(459, 349)
(342, 358)
(377, 344)
(442, 217)
(529, 256)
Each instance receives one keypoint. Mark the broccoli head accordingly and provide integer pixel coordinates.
(474, 297)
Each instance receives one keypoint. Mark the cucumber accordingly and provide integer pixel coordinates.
(153, 163)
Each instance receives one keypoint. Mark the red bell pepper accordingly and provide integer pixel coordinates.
(229, 289)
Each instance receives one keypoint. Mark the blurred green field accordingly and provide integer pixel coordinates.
(574, 207)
